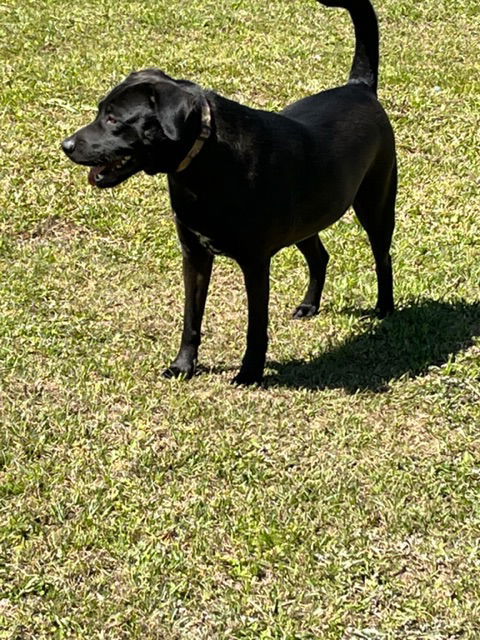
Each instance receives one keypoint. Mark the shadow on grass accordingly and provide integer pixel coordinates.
(412, 339)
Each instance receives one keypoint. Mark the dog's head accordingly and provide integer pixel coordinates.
(147, 123)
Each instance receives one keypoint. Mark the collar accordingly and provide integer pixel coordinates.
(205, 131)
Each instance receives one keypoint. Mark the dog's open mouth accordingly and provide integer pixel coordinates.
(112, 173)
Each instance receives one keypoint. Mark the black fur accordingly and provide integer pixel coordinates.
(261, 181)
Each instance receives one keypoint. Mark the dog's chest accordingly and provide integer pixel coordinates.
(207, 243)
(188, 210)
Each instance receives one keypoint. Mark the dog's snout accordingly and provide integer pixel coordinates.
(68, 145)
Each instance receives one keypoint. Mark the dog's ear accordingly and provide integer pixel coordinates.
(173, 106)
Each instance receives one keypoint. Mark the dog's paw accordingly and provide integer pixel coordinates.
(305, 311)
(247, 378)
(175, 371)
(382, 313)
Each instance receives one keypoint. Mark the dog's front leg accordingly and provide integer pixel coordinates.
(197, 269)
(256, 275)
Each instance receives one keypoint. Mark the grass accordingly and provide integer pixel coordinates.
(339, 501)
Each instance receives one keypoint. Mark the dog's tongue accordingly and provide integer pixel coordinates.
(93, 173)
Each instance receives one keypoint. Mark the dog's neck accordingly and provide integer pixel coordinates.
(205, 131)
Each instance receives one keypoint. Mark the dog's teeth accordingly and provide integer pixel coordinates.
(122, 162)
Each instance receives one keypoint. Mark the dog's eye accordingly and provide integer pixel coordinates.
(111, 119)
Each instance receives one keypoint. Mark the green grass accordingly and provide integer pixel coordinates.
(339, 501)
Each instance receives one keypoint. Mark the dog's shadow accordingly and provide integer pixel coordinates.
(407, 343)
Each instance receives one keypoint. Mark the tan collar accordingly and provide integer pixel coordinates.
(205, 132)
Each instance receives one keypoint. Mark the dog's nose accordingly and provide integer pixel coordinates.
(68, 145)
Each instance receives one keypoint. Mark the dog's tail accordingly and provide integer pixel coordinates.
(365, 61)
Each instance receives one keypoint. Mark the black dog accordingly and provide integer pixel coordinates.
(245, 183)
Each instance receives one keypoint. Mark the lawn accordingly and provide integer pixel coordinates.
(340, 500)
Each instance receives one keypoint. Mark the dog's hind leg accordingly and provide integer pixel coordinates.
(376, 213)
(317, 259)
(197, 269)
